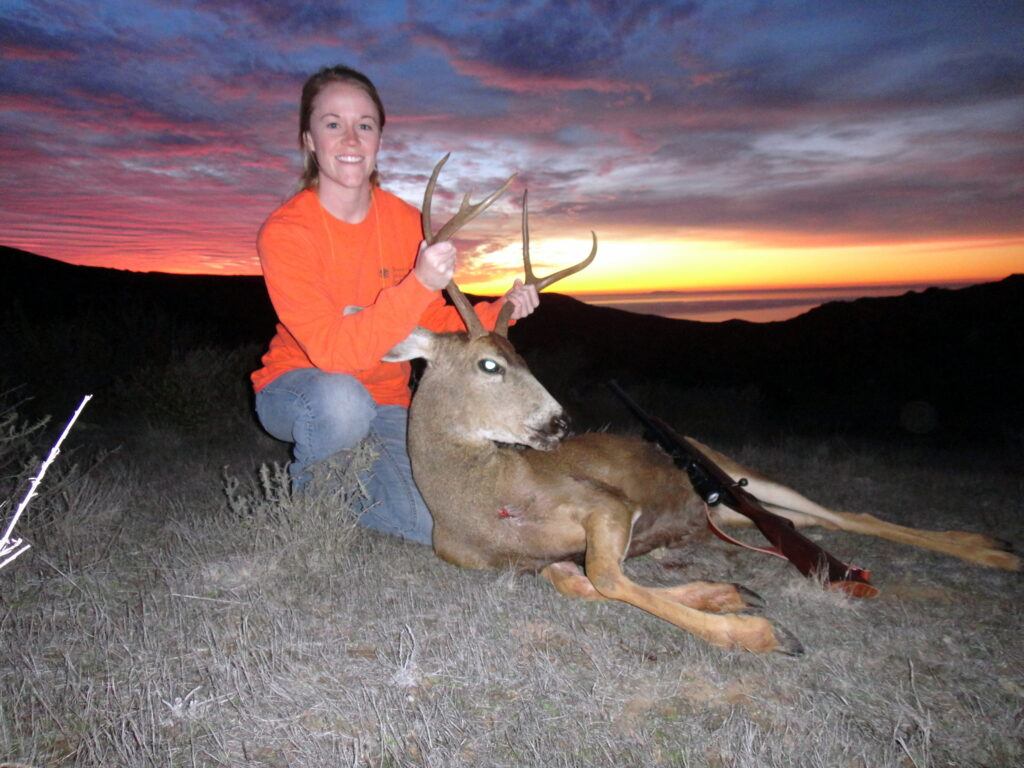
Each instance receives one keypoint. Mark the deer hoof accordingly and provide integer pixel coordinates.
(788, 644)
(1005, 559)
(752, 602)
(758, 634)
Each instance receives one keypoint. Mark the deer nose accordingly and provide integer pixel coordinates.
(559, 426)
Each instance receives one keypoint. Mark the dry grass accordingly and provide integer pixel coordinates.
(160, 621)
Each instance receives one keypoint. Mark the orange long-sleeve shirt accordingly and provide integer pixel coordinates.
(316, 265)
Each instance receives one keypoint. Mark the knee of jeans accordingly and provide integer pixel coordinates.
(344, 410)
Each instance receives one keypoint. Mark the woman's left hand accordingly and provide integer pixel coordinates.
(524, 298)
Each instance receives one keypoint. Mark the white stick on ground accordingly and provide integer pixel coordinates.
(11, 548)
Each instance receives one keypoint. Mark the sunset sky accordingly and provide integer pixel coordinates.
(709, 144)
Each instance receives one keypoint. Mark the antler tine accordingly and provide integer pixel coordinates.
(544, 282)
(469, 212)
(465, 214)
(501, 327)
(527, 266)
(428, 196)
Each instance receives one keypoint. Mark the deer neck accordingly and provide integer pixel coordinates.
(438, 438)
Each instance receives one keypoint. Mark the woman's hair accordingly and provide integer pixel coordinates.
(310, 90)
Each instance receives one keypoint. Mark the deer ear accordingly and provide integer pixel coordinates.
(419, 343)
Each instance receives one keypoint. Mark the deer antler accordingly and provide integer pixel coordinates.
(465, 214)
(501, 327)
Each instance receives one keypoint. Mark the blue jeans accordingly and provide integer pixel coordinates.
(324, 413)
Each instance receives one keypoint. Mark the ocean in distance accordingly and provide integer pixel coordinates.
(754, 305)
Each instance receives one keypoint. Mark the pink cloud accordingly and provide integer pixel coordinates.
(24, 52)
(531, 83)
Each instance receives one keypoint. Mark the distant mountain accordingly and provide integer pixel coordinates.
(70, 330)
(220, 310)
(940, 362)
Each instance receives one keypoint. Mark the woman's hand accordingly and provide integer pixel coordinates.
(435, 264)
(524, 298)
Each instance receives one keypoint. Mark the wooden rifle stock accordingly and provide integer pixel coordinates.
(715, 486)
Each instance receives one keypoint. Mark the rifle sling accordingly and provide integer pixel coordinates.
(714, 485)
(713, 527)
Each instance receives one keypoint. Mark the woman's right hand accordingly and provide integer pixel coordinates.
(435, 264)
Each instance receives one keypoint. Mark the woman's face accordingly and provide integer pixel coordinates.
(344, 135)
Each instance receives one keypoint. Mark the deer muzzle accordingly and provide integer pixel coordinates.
(551, 434)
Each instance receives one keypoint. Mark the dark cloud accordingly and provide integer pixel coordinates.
(869, 209)
(557, 39)
(279, 15)
(865, 53)
(553, 39)
(23, 41)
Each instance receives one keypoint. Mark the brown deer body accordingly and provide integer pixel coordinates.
(507, 486)
(527, 507)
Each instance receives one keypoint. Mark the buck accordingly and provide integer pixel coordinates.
(508, 486)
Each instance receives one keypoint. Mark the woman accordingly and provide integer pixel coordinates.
(342, 242)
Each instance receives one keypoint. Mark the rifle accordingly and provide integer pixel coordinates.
(715, 486)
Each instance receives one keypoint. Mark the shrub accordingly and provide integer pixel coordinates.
(320, 520)
(194, 390)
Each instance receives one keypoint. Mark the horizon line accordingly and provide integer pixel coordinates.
(927, 283)
(747, 288)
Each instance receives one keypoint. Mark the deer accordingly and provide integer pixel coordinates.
(509, 486)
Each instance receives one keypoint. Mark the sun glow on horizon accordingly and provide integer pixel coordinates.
(639, 265)
(645, 264)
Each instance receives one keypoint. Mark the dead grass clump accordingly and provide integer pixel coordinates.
(271, 516)
(16, 443)
(69, 509)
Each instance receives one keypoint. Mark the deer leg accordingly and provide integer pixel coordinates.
(568, 579)
(714, 597)
(608, 532)
(784, 501)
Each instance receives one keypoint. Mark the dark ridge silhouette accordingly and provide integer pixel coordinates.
(942, 361)
(941, 364)
(71, 330)
(218, 310)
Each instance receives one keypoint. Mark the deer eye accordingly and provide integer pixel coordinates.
(490, 366)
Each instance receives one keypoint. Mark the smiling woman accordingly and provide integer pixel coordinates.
(340, 125)
(341, 243)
